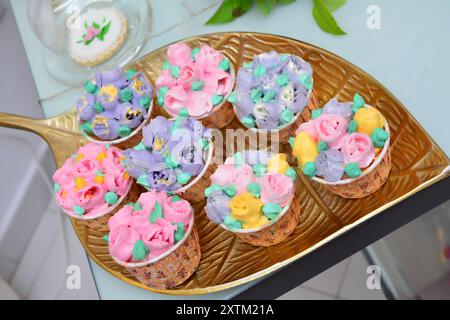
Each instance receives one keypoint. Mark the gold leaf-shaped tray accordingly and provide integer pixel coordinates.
(226, 261)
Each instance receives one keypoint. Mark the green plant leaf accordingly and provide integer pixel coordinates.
(325, 19)
(283, 2)
(333, 5)
(95, 25)
(265, 6)
(230, 10)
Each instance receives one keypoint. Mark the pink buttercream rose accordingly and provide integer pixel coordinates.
(331, 128)
(176, 99)
(357, 147)
(65, 197)
(65, 174)
(276, 188)
(165, 79)
(141, 221)
(222, 174)
(113, 158)
(224, 84)
(187, 76)
(90, 196)
(179, 54)
(241, 176)
(208, 59)
(177, 211)
(121, 241)
(122, 217)
(86, 168)
(148, 199)
(117, 180)
(159, 237)
(199, 104)
(308, 127)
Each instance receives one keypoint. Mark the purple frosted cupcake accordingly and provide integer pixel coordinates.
(115, 107)
(272, 91)
(172, 157)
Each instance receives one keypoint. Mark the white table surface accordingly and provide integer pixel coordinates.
(409, 55)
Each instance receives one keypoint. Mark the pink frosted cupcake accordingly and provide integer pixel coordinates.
(91, 185)
(155, 239)
(198, 81)
(252, 195)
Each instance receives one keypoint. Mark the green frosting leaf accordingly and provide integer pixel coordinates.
(175, 198)
(145, 102)
(79, 211)
(291, 173)
(322, 146)
(86, 127)
(111, 197)
(98, 108)
(179, 233)
(291, 141)
(183, 113)
(90, 87)
(217, 99)
(230, 190)
(269, 95)
(286, 116)
(256, 95)
(157, 213)
(140, 146)
(166, 65)
(238, 159)
(124, 131)
(232, 224)
(162, 94)
(204, 143)
(352, 126)
(139, 251)
(310, 169)
(271, 210)
(254, 188)
(232, 97)
(282, 80)
(175, 71)
(143, 181)
(249, 122)
(259, 169)
(212, 188)
(224, 64)
(379, 137)
(105, 238)
(183, 178)
(197, 85)
(194, 53)
(137, 206)
(131, 73)
(358, 102)
(259, 71)
(306, 80)
(56, 187)
(126, 94)
(316, 113)
(170, 163)
(352, 170)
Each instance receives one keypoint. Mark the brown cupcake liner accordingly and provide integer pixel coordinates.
(196, 192)
(367, 184)
(277, 232)
(100, 223)
(173, 269)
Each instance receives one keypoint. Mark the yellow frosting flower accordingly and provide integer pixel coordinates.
(109, 91)
(99, 179)
(246, 207)
(79, 183)
(101, 156)
(368, 119)
(305, 148)
(79, 157)
(277, 163)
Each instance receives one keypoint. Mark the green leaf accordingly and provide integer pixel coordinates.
(265, 6)
(95, 25)
(85, 24)
(89, 41)
(105, 29)
(333, 5)
(283, 2)
(325, 19)
(101, 36)
(230, 10)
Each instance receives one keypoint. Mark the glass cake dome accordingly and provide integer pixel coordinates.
(83, 36)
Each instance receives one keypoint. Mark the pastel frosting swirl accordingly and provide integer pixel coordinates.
(115, 103)
(340, 140)
(272, 90)
(197, 80)
(91, 181)
(249, 190)
(150, 227)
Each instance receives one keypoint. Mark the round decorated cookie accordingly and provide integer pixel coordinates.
(99, 34)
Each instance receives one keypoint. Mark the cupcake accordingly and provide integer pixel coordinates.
(155, 239)
(198, 80)
(345, 147)
(174, 157)
(252, 195)
(272, 92)
(115, 107)
(91, 185)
